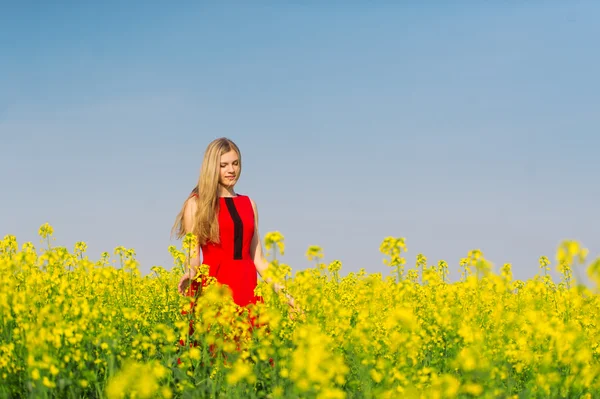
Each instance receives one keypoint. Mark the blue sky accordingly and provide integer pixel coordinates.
(456, 126)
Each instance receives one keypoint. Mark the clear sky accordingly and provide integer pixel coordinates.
(456, 126)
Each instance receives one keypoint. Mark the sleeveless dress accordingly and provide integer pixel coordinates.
(230, 261)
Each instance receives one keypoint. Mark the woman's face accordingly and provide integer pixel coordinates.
(230, 169)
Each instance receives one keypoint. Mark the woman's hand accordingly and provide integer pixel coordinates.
(295, 311)
(186, 280)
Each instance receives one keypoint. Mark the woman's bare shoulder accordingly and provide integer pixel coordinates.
(191, 204)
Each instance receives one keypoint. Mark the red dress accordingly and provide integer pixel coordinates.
(230, 261)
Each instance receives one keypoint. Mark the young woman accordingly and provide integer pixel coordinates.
(226, 225)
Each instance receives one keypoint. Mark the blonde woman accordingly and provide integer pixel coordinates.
(226, 225)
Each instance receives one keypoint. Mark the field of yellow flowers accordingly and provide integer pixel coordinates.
(74, 327)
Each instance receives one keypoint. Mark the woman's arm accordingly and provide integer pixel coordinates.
(188, 223)
(257, 256)
(189, 218)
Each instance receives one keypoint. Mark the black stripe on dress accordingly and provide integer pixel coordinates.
(238, 228)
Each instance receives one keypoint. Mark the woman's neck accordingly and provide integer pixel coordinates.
(226, 192)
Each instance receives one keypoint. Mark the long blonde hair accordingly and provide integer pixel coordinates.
(206, 224)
